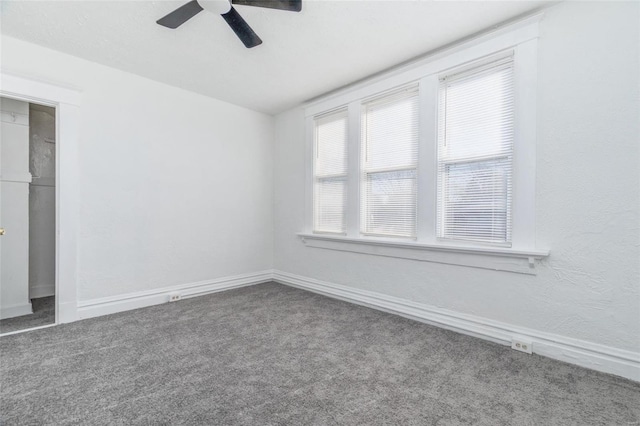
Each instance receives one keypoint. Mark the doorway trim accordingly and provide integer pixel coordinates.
(66, 102)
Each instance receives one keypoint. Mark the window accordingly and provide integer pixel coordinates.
(433, 161)
(389, 164)
(475, 153)
(330, 172)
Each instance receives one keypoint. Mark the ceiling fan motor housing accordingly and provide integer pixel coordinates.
(219, 7)
(224, 8)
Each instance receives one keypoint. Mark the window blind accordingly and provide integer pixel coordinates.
(390, 158)
(475, 151)
(330, 172)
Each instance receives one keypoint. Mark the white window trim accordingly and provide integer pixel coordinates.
(493, 258)
(521, 38)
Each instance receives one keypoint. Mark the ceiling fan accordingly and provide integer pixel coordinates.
(225, 8)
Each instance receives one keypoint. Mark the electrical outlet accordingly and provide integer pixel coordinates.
(522, 344)
(174, 297)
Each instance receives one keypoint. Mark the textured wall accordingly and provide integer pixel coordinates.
(175, 187)
(587, 197)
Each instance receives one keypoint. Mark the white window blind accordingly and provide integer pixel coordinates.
(330, 172)
(390, 159)
(475, 150)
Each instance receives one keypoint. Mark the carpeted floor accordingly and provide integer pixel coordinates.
(44, 312)
(274, 355)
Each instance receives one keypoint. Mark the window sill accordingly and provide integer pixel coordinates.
(494, 258)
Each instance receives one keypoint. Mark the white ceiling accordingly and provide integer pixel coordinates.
(328, 45)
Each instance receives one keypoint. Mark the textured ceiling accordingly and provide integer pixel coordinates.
(327, 45)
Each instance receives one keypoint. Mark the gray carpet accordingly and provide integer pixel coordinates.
(273, 355)
(44, 312)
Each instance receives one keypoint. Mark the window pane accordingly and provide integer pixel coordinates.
(330, 197)
(390, 131)
(476, 198)
(390, 207)
(477, 114)
(331, 144)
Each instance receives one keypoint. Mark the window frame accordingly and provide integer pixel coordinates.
(506, 56)
(364, 171)
(335, 176)
(521, 39)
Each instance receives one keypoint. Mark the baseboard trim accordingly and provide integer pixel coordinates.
(15, 311)
(111, 305)
(586, 354)
(45, 290)
(67, 312)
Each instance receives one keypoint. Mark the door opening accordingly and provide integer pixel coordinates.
(27, 215)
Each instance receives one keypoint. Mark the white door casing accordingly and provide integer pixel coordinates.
(66, 101)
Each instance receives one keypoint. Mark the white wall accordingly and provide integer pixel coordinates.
(42, 201)
(588, 188)
(175, 187)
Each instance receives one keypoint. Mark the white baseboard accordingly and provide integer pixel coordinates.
(15, 310)
(44, 290)
(67, 312)
(120, 303)
(586, 354)
(590, 355)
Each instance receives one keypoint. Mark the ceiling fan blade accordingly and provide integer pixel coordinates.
(241, 28)
(180, 15)
(291, 5)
